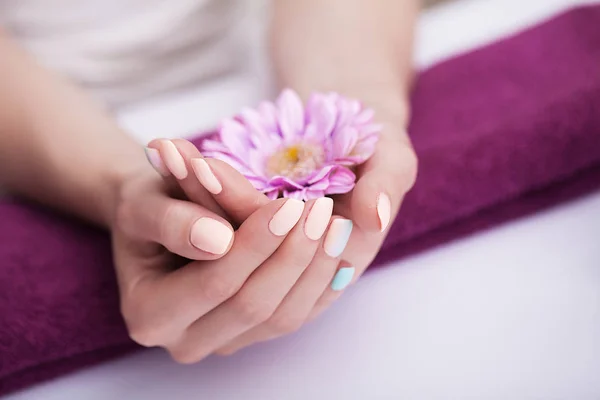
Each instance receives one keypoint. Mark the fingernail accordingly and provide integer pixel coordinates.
(211, 236)
(342, 278)
(318, 218)
(384, 211)
(205, 175)
(337, 237)
(174, 160)
(154, 159)
(287, 217)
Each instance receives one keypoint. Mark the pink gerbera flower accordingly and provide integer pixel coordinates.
(286, 149)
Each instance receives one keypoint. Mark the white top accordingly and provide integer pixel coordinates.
(125, 50)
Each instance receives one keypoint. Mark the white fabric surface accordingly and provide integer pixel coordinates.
(512, 313)
(123, 50)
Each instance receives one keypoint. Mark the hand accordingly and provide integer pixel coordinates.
(316, 243)
(267, 280)
(372, 205)
(382, 182)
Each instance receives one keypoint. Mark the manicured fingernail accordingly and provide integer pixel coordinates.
(287, 217)
(154, 159)
(342, 278)
(205, 175)
(318, 218)
(337, 237)
(174, 160)
(384, 211)
(211, 236)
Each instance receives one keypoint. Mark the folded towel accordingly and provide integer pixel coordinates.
(501, 131)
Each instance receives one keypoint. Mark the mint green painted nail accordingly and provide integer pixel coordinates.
(342, 278)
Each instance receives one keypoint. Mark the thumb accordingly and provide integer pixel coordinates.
(383, 181)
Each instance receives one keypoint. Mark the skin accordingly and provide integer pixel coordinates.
(58, 147)
(361, 49)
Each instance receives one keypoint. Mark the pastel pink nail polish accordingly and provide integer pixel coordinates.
(154, 159)
(205, 175)
(286, 217)
(384, 211)
(173, 160)
(318, 218)
(211, 236)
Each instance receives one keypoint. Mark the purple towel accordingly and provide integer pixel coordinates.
(501, 131)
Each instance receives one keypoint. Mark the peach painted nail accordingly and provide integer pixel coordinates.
(205, 175)
(384, 211)
(287, 217)
(173, 159)
(318, 218)
(154, 159)
(337, 237)
(211, 235)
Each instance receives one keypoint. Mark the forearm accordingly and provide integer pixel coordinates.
(360, 47)
(56, 145)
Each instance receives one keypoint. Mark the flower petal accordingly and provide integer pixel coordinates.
(284, 182)
(260, 183)
(321, 113)
(268, 113)
(344, 141)
(370, 129)
(310, 194)
(233, 161)
(318, 175)
(365, 116)
(272, 194)
(365, 148)
(295, 194)
(235, 136)
(213, 145)
(257, 161)
(311, 134)
(290, 114)
(346, 111)
(341, 180)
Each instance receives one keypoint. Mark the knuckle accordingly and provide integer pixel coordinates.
(219, 289)
(253, 310)
(296, 251)
(165, 225)
(142, 330)
(412, 166)
(283, 324)
(183, 355)
(404, 169)
(145, 335)
(225, 351)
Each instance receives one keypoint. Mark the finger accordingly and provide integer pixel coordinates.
(263, 292)
(192, 188)
(173, 301)
(184, 228)
(232, 191)
(171, 159)
(297, 305)
(344, 276)
(212, 183)
(156, 160)
(384, 179)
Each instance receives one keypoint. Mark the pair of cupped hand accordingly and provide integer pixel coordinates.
(208, 264)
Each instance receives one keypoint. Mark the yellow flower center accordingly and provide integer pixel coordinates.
(296, 161)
